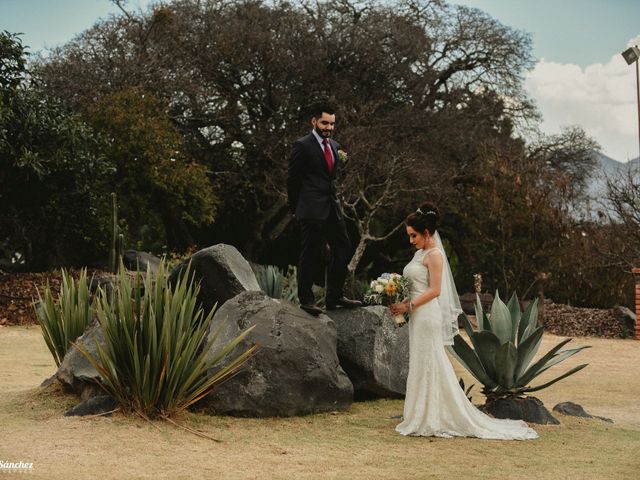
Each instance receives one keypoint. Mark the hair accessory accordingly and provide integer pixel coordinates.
(420, 212)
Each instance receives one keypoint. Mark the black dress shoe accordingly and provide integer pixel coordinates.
(311, 308)
(344, 303)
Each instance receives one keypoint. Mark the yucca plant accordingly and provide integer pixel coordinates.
(155, 357)
(505, 344)
(64, 319)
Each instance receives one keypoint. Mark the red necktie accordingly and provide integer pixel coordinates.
(327, 155)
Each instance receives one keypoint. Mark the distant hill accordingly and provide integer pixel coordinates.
(606, 167)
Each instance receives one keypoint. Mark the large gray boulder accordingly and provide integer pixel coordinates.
(142, 261)
(222, 271)
(75, 371)
(104, 281)
(373, 351)
(295, 370)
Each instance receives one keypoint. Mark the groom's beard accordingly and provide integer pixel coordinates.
(324, 133)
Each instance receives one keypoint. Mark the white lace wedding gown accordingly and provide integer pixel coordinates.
(435, 405)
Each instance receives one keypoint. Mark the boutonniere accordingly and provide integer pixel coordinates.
(343, 156)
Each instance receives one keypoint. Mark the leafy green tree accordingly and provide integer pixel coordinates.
(161, 191)
(51, 207)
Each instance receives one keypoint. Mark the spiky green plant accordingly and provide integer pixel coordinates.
(467, 391)
(271, 280)
(276, 284)
(155, 357)
(64, 319)
(505, 344)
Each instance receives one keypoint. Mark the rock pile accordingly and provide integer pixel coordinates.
(570, 321)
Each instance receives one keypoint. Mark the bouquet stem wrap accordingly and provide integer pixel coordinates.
(400, 321)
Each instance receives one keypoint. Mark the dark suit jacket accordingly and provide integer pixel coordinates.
(310, 188)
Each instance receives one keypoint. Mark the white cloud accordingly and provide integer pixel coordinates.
(599, 98)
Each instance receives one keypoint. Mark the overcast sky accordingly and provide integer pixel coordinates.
(580, 77)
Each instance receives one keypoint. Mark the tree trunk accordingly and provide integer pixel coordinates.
(358, 254)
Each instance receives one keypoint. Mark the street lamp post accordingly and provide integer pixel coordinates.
(631, 55)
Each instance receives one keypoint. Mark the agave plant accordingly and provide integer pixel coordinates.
(156, 359)
(467, 391)
(505, 344)
(64, 319)
(276, 284)
(271, 281)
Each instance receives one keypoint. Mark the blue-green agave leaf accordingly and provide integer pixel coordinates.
(481, 318)
(528, 321)
(468, 358)
(561, 356)
(527, 350)
(506, 360)
(514, 310)
(534, 370)
(466, 323)
(500, 320)
(486, 345)
(564, 375)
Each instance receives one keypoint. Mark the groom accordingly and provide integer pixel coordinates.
(313, 201)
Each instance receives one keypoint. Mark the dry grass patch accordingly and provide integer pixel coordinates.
(358, 444)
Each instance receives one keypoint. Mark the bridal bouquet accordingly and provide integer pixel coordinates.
(387, 289)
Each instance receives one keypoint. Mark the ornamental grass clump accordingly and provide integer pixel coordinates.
(64, 319)
(504, 346)
(156, 360)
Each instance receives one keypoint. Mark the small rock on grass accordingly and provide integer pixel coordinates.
(574, 410)
(93, 406)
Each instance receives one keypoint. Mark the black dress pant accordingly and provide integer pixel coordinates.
(315, 235)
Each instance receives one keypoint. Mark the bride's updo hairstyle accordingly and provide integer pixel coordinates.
(426, 217)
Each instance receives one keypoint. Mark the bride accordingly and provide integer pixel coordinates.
(435, 405)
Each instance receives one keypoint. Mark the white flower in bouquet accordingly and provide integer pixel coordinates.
(387, 289)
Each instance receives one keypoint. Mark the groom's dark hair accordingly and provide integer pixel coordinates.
(318, 108)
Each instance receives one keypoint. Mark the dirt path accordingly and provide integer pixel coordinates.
(358, 444)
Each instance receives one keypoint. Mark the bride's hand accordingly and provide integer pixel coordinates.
(399, 308)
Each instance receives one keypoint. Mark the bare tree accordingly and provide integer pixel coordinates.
(236, 77)
(623, 215)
